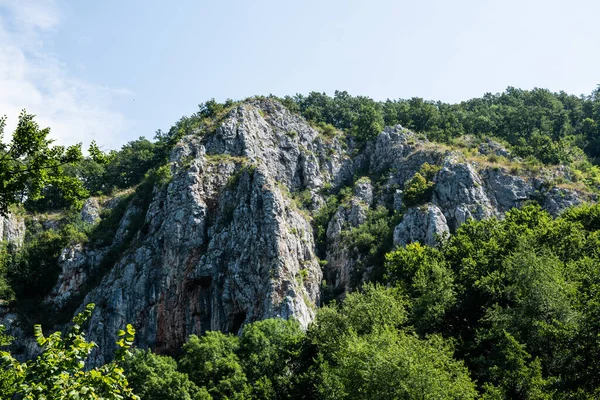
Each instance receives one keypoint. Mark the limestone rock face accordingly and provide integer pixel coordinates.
(425, 224)
(341, 260)
(12, 229)
(459, 192)
(74, 273)
(506, 191)
(77, 264)
(271, 135)
(363, 191)
(222, 254)
(391, 145)
(90, 212)
(557, 200)
(223, 243)
(228, 239)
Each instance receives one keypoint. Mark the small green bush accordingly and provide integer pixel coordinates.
(493, 158)
(59, 371)
(155, 377)
(327, 130)
(429, 171)
(419, 188)
(417, 191)
(373, 239)
(321, 220)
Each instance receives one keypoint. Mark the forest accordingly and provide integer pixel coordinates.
(504, 308)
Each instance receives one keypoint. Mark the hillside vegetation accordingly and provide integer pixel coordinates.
(505, 307)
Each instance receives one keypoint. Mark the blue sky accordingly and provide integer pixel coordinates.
(116, 70)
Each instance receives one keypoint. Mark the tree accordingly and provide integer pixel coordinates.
(512, 374)
(155, 377)
(29, 163)
(363, 353)
(269, 351)
(388, 364)
(424, 275)
(417, 190)
(374, 307)
(423, 114)
(8, 379)
(60, 372)
(211, 362)
(129, 166)
(369, 122)
(32, 270)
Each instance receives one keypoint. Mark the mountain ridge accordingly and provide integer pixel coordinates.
(226, 235)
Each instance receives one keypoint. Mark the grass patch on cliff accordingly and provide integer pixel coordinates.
(246, 167)
(225, 158)
(302, 199)
(327, 132)
(578, 175)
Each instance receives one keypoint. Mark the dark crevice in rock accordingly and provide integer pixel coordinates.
(238, 320)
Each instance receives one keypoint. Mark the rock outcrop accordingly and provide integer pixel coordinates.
(426, 224)
(460, 193)
(342, 260)
(492, 147)
(12, 229)
(506, 191)
(225, 242)
(90, 212)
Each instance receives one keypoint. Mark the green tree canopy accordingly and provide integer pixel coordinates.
(29, 163)
(155, 377)
(60, 372)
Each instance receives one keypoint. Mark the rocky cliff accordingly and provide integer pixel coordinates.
(228, 237)
(12, 229)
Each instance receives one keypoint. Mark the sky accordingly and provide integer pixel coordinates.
(113, 71)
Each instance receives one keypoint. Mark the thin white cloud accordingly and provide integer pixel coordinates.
(34, 79)
(41, 14)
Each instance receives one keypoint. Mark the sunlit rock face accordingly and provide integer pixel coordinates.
(225, 241)
(12, 229)
(426, 224)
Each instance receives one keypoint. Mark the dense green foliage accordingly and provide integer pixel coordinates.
(60, 372)
(502, 309)
(28, 273)
(372, 239)
(419, 188)
(103, 173)
(261, 364)
(156, 377)
(212, 362)
(275, 359)
(553, 127)
(519, 296)
(29, 164)
(366, 351)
